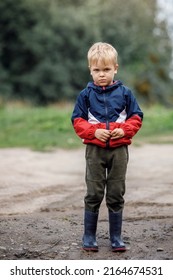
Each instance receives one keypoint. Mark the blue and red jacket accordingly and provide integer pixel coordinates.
(110, 107)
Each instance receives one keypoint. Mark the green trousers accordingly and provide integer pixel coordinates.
(105, 176)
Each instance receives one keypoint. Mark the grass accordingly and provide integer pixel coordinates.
(48, 128)
(157, 126)
(37, 128)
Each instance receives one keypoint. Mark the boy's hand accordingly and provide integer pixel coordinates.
(117, 133)
(102, 134)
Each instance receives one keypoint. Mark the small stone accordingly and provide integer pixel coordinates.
(66, 248)
(2, 248)
(160, 249)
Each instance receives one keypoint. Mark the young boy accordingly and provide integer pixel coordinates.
(106, 116)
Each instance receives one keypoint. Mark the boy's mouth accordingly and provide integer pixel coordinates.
(102, 81)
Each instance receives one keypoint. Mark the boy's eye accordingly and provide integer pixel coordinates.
(96, 70)
(104, 70)
(107, 69)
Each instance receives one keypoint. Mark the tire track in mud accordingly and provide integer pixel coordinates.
(45, 199)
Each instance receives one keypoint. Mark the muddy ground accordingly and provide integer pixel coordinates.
(41, 205)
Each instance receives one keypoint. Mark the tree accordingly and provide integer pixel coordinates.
(44, 45)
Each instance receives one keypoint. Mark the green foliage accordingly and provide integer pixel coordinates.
(44, 43)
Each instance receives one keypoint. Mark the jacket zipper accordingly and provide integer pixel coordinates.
(107, 121)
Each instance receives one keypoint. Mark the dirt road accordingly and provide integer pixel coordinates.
(41, 198)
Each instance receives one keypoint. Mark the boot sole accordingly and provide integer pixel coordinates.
(92, 249)
(121, 250)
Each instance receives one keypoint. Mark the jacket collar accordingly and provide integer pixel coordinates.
(99, 89)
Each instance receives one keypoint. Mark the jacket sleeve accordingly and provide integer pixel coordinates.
(82, 127)
(131, 126)
(134, 115)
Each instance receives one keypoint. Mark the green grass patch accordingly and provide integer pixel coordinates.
(37, 128)
(157, 126)
(48, 128)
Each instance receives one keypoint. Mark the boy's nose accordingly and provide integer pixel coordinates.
(101, 73)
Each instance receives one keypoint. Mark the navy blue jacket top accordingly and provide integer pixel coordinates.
(108, 107)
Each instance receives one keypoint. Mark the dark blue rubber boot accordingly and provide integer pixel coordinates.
(90, 227)
(115, 225)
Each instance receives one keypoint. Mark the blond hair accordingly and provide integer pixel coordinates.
(104, 52)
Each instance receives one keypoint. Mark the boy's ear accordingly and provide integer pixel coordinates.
(116, 68)
(90, 70)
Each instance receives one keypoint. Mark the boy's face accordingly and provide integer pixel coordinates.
(103, 74)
